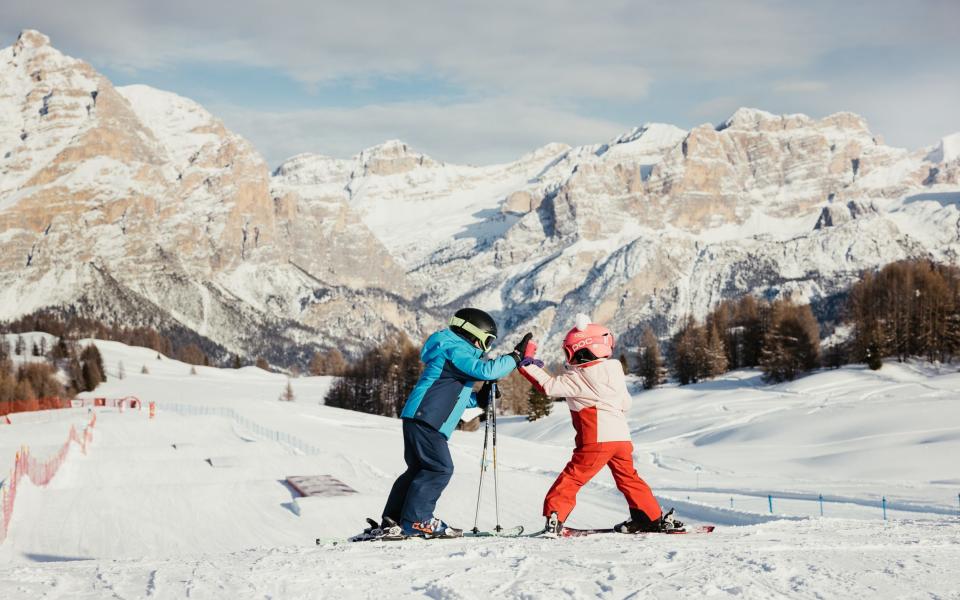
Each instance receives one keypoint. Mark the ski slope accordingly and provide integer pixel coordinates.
(195, 505)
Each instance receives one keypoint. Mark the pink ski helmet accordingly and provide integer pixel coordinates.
(590, 336)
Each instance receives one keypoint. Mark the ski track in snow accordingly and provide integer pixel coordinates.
(810, 559)
(145, 515)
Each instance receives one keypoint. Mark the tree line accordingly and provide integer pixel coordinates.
(185, 346)
(34, 384)
(379, 382)
(781, 337)
(382, 379)
(906, 309)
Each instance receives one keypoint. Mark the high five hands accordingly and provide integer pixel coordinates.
(525, 352)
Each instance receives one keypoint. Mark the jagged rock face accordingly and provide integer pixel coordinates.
(642, 231)
(139, 204)
(151, 191)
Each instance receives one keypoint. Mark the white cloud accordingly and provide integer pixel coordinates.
(912, 110)
(471, 132)
(800, 87)
(717, 108)
(528, 72)
(557, 47)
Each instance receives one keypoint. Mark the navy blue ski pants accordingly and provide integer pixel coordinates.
(429, 467)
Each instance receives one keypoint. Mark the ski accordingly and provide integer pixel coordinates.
(574, 532)
(506, 532)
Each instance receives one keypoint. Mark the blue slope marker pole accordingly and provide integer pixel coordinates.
(821, 505)
(770, 502)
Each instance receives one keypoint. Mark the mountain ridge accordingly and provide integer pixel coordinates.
(658, 222)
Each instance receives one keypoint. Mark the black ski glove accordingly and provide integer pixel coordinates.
(483, 394)
(521, 348)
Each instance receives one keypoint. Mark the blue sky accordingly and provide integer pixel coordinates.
(488, 81)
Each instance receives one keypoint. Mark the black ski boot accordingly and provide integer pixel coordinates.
(386, 529)
(553, 528)
(640, 523)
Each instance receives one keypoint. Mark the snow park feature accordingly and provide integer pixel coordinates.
(137, 518)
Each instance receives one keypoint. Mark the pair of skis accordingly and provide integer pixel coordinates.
(517, 532)
(374, 533)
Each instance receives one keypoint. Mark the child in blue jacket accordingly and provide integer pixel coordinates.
(453, 363)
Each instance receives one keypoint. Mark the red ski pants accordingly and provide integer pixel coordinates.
(586, 462)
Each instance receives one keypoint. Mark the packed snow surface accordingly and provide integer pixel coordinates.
(192, 504)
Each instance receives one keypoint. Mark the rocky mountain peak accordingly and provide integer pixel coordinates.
(749, 119)
(30, 39)
(947, 150)
(847, 121)
(755, 120)
(392, 157)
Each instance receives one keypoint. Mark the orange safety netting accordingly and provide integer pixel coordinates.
(18, 406)
(39, 472)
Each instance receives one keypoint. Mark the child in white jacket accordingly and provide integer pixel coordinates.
(595, 388)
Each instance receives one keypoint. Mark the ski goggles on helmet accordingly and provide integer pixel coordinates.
(483, 337)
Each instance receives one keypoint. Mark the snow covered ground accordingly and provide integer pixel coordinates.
(195, 505)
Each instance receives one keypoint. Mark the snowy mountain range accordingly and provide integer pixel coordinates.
(137, 205)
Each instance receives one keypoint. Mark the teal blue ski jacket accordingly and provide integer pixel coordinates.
(452, 365)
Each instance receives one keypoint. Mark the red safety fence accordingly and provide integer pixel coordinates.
(40, 472)
(18, 406)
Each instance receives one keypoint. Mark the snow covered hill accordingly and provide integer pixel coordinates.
(191, 503)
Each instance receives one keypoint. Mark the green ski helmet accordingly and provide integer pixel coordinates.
(474, 324)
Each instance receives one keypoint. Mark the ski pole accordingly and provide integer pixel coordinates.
(496, 488)
(483, 467)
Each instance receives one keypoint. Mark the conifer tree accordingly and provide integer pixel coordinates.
(792, 343)
(88, 372)
(92, 376)
(23, 391)
(538, 404)
(651, 365)
(716, 359)
(750, 323)
(690, 363)
(288, 395)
